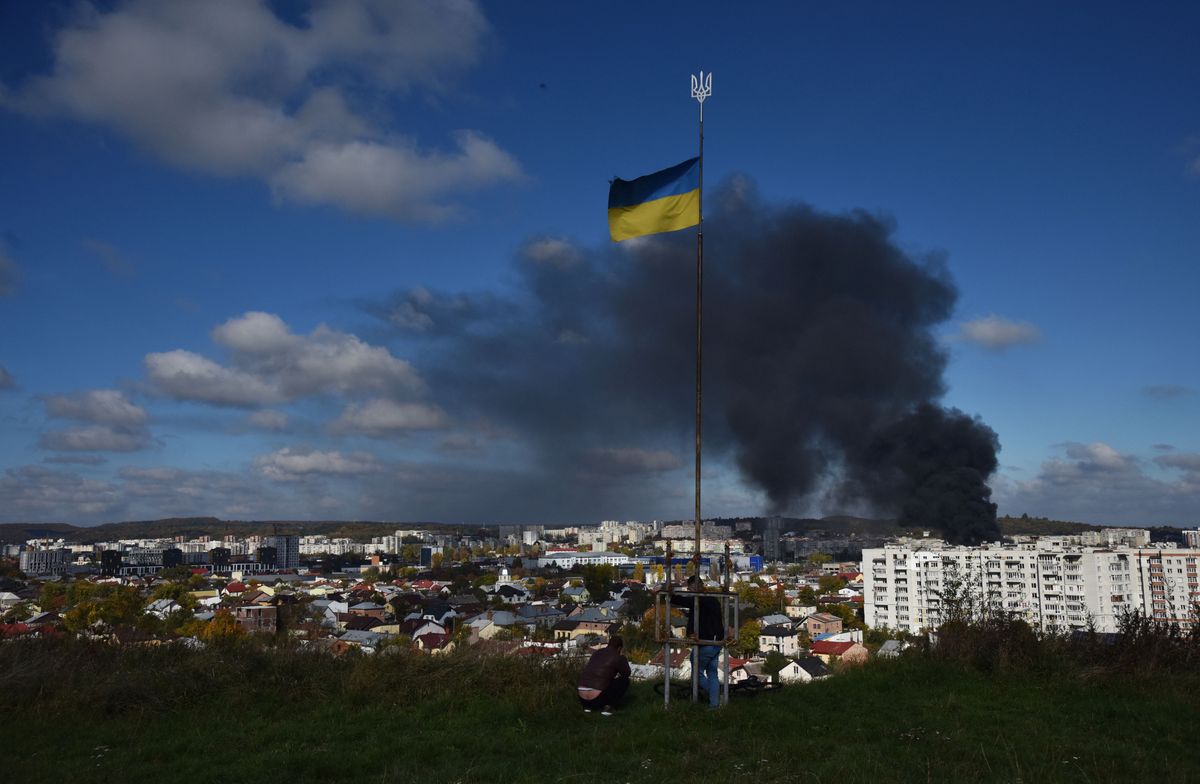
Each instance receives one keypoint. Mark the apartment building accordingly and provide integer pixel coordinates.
(1054, 587)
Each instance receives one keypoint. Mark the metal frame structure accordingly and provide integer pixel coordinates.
(663, 632)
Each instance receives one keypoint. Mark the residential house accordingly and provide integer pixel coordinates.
(803, 670)
(416, 627)
(799, 611)
(161, 608)
(541, 614)
(822, 623)
(780, 638)
(368, 610)
(848, 652)
(368, 641)
(573, 630)
(577, 594)
(775, 619)
(508, 593)
(681, 663)
(256, 618)
(433, 643)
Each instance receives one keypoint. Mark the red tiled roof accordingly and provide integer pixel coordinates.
(834, 648)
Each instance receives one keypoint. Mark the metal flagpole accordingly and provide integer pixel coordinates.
(701, 90)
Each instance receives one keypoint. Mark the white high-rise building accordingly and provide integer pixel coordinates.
(1054, 588)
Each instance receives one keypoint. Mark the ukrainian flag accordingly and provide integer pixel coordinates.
(668, 200)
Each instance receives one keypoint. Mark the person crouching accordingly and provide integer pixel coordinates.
(605, 678)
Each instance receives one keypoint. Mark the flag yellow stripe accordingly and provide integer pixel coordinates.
(670, 213)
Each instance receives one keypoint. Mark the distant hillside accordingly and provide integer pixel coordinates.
(1041, 526)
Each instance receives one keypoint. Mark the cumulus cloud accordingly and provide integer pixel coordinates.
(229, 88)
(1097, 483)
(111, 423)
(999, 334)
(271, 364)
(396, 180)
(1167, 391)
(187, 376)
(7, 381)
(289, 465)
(269, 420)
(380, 418)
(102, 406)
(43, 493)
(10, 273)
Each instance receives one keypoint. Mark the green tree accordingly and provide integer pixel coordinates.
(848, 615)
(748, 637)
(597, 578)
(830, 584)
(775, 662)
(818, 559)
(763, 599)
(53, 597)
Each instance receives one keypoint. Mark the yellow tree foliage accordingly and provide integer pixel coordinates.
(223, 626)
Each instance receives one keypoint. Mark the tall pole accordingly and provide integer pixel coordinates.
(701, 90)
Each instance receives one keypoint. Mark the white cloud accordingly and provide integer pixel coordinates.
(269, 420)
(999, 334)
(271, 364)
(187, 376)
(226, 87)
(1098, 484)
(113, 423)
(394, 179)
(289, 465)
(380, 418)
(102, 406)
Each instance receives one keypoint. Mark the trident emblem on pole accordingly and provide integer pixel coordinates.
(702, 88)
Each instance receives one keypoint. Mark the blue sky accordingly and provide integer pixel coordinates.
(202, 203)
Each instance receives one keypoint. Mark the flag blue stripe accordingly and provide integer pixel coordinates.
(675, 181)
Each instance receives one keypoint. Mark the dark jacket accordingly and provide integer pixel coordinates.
(711, 627)
(605, 665)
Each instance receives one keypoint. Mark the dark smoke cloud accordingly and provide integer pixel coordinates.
(822, 372)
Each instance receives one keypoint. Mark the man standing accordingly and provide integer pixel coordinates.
(706, 624)
(605, 678)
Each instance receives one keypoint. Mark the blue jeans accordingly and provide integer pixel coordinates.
(707, 659)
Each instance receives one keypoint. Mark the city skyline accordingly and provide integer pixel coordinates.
(282, 260)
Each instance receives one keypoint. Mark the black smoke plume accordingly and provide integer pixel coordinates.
(822, 373)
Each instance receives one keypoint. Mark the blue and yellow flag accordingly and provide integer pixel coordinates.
(668, 200)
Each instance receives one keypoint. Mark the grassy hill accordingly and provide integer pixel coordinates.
(83, 713)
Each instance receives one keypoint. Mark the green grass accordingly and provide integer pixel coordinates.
(82, 714)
